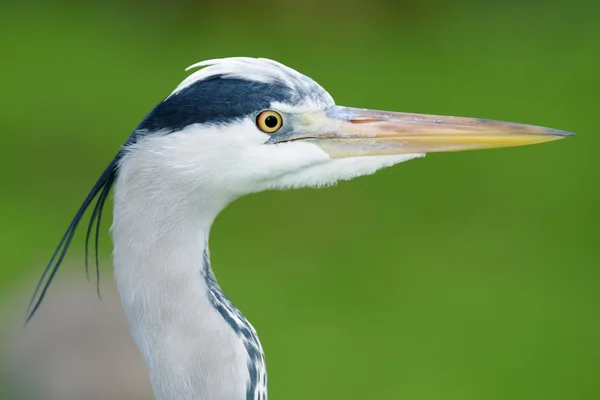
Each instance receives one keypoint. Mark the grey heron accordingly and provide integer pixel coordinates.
(233, 127)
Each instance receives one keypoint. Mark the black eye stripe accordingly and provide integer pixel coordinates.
(215, 100)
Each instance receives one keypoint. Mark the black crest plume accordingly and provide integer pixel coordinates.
(99, 192)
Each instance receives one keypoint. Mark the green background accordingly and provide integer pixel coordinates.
(459, 276)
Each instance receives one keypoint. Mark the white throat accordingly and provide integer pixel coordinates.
(195, 343)
(168, 191)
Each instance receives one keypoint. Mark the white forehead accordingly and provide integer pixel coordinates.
(259, 70)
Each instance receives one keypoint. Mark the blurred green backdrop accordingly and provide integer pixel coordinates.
(460, 276)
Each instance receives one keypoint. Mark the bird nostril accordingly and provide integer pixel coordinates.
(363, 120)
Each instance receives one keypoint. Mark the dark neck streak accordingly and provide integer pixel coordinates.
(257, 386)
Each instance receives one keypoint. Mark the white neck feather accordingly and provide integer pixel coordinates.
(160, 258)
(169, 189)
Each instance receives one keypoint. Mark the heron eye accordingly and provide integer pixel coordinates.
(269, 121)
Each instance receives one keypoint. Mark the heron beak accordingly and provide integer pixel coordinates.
(351, 132)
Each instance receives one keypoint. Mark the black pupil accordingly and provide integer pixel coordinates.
(271, 121)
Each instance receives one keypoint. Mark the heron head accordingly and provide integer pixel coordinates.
(240, 125)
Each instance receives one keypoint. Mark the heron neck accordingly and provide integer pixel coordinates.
(196, 344)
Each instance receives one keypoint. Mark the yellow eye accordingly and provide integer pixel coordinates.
(269, 121)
